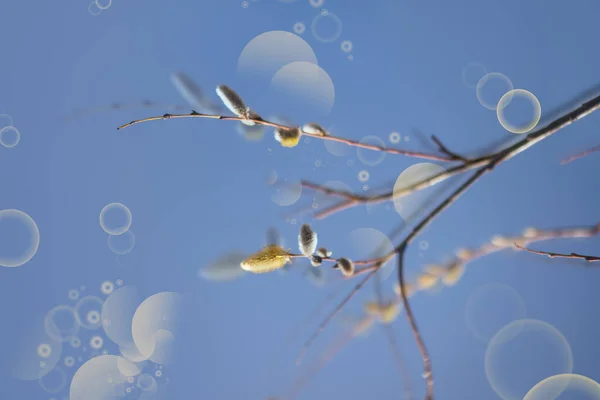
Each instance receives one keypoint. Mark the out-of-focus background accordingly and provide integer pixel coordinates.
(117, 246)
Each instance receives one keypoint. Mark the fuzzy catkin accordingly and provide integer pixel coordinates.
(267, 259)
(346, 266)
(288, 137)
(307, 240)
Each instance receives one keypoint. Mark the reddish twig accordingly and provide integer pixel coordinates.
(261, 121)
(580, 155)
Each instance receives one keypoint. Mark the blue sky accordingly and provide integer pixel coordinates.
(196, 189)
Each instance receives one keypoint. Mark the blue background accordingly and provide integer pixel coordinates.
(196, 188)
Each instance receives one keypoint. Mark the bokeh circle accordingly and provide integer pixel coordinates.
(513, 357)
(20, 238)
(513, 99)
(115, 218)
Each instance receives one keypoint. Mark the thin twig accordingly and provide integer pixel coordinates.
(389, 333)
(333, 314)
(580, 155)
(560, 255)
(498, 157)
(261, 121)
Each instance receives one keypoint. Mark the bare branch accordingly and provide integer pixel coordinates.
(446, 151)
(560, 255)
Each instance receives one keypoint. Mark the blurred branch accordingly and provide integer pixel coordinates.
(560, 255)
(580, 155)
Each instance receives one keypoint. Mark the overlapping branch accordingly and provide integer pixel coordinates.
(289, 137)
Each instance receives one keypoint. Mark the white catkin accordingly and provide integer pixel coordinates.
(314, 129)
(307, 240)
(346, 266)
(233, 101)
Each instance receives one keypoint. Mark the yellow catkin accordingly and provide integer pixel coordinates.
(372, 308)
(453, 274)
(267, 259)
(409, 288)
(389, 313)
(427, 281)
(290, 141)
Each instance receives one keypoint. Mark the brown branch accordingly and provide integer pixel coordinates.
(446, 151)
(560, 255)
(496, 157)
(261, 121)
(580, 155)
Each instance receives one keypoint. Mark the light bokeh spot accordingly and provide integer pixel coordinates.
(156, 315)
(369, 243)
(9, 136)
(491, 307)
(121, 244)
(567, 386)
(368, 156)
(287, 194)
(326, 27)
(101, 378)
(115, 218)
(270, 51)
(512, 358)
(407, 205)
(87, 312)
(519, 111)
(306, 85)
(19, 238)
(490, 89)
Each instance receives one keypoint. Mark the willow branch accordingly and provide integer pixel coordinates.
(496, 157)
(261, 121)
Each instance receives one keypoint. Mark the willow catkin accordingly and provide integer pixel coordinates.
(307, 240)
(453, 274)
(235, 104)
(314, 129)
(345, 265)
(267, 259)
(288, 137)
(323, 252)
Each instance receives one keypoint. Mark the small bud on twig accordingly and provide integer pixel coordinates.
(314, 129)
(323, 252)
(316, 260)
(288, 137)
(267, 259)
(453, 274)
(345, 265)
(307, 240)
(427, 281)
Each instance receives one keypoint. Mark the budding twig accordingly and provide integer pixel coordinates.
(259, 121)
(560, 255)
